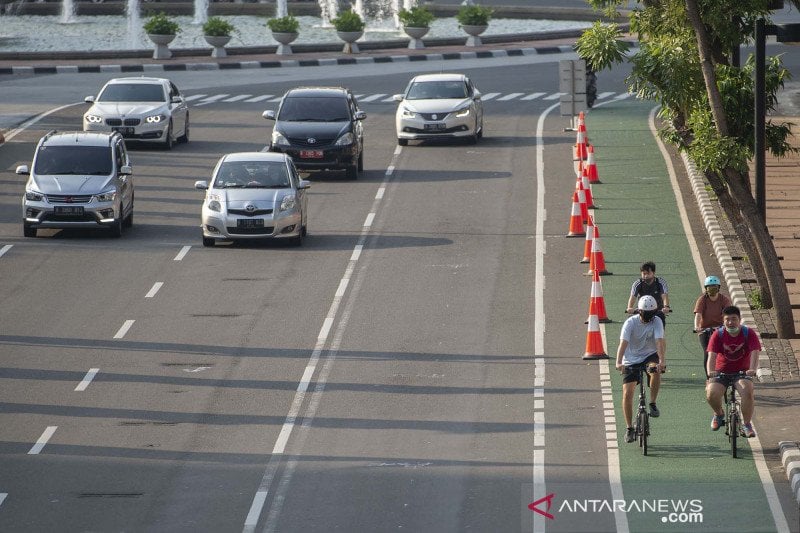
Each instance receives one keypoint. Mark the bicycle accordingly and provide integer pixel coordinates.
(641, 426)
(705, 335)
(733, 409)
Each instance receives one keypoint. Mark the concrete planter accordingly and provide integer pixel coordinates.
(416, 34)
(284, 40)
(161, 41)
(350, 38)
(218, 42)
(474, 32)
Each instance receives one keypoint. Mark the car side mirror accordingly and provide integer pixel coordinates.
(23, 169)
(89, 99)
(397, 97)
(304, 184)
(201, 184)
(269, 114)
(476, 95)
(361, 115)
(126, 169)
(176, 99)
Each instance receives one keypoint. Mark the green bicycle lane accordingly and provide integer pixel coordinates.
(688, 481)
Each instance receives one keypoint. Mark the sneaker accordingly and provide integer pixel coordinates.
(630, 435)
(748, 432)
(717, 421)
(654, 412)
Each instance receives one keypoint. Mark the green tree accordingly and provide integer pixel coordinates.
(684, 63)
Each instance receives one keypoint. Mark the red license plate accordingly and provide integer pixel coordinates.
(311, 154)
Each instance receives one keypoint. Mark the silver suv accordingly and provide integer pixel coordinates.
(78, 180)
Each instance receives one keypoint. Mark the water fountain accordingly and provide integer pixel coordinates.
(134, 24)
(328, 11)
(200, 12)
(67, 12)
(280, 9)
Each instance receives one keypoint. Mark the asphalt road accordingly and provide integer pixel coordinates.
(398, 372)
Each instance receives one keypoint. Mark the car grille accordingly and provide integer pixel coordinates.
(119, 122)
(429, 116)
(52, 217)
(266, 230)
(246, 213)
(303, 141)
(68, 199)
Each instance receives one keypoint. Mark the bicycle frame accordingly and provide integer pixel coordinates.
(642, 424)
(733, 410)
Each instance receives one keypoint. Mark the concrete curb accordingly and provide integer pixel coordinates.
(361, 60)
(790, 459)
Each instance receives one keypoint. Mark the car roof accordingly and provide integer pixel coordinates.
(138, 79)
(438, 77)
(78, 138)
(255, 156)
(324, 92)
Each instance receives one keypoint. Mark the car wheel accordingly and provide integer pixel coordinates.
(208, 242)
(28, 231)
(402, 142)
(128, 221)
(304, 230)
(480, 132)
(168, 141)
(185, 137)
(361, 161)
(297, 241)
(116, 228)
(352, 172)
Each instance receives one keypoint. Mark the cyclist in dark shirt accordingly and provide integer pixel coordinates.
(650, 285)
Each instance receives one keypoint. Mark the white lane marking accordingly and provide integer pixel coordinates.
(488, 96)
(623, 96)
(390, 99)
(369, 219)
(237, 97)
(554, 96)
(509, 96)
(380, 193)
(212, 99)
(42, 440)
(182, 253)
(124, 329)
(358, 96)
(602, 96)
(194, 97)
(154, 289)
(356, 252)
(532, 96)
(3, 496)
(87, 379)
(276, 99)
(260, 98)
(373, 97)
(389, 170)
(25, 125)
(4, 249)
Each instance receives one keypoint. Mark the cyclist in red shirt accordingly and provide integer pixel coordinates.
(732, 348)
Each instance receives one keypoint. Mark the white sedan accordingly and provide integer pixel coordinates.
(254, 195)
(436, 106)
(141, 109)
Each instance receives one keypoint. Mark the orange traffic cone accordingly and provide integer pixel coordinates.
(594, 340)
(580, 146)
(596, 260)
(582, 125)
(575, 220)
(597, 304)
(591, 167)
(587, 245)
(582, 201)
(587, 190)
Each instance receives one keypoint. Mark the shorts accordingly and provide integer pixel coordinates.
(727, 379)
(633, 377)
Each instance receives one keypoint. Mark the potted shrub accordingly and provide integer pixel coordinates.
(218, 32)
(474, 19)
(162, 30)
(349, 27)
(284, 30)
(416, 23)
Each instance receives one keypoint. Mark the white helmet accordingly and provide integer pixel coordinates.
(647, 303)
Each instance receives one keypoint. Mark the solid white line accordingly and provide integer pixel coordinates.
(4, 249)
(43, 440)
(369, 219)
(182, 253)
(509, 97)
(87, 379)
(602, 96)
(255, 511)
(156, 286)
(260, 98)
(532, 96)
(22, 127)
(124, 329)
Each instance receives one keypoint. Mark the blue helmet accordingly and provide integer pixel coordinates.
(711, 280)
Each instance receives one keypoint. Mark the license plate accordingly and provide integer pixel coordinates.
(437, 126)
(311, 154)
(124, 130)
(250, 223)
(69, 210)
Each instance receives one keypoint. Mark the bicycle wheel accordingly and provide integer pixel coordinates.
(733, 430)
(644, 429)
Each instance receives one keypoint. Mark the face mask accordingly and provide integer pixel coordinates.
(732, 331)
(712, 291)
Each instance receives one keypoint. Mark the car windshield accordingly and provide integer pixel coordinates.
(314, 109)
(132, 92)
(79, 160)
(252, 174)
(434, 90)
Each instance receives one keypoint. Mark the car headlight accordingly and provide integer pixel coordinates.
(93, 119)
(345, 139)
(463, 112)
(33, 195)
(155, 119)
(407, 113)
(289, 202)
(214, 203)
(106, 196)
(278, 139)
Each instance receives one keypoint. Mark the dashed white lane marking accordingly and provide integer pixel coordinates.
(4, 249)
(154, 289)
(554, 96)
(509, 97)
(372, 97)
(488, 96)
(380, 193)
(194, 97)
(237, 97)
(532, 96)
(40, 444)
(260, 98)
(369, 219)
(356, 252)
(3, 496)
(211, 99)
(612, 446)
(87, 379)
(124, 329)
(182, 253)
